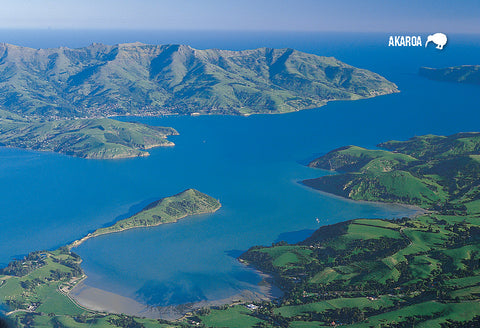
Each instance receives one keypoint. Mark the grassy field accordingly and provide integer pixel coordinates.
(39, 290)
(233, 317)
(87, 320)
(384, 269)
(336, 303)
(425, 170)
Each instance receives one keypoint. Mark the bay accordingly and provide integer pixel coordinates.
(252, 164)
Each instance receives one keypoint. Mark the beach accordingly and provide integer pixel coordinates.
(104, 301)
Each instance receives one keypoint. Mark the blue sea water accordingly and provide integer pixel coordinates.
(252, 164)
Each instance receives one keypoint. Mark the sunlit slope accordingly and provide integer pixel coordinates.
(166, 210)
(145, 79)
(432, 171)
(407, 272)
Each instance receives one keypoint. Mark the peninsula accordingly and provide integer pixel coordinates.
(86, 138)
(166, 210)
(461, 74)
(429, 171)
(142, 80)
(36, 289)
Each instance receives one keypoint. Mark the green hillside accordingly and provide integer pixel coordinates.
(462, 74)
(166, 210)
(433, 147)
(406, 272)
(422, 272)
(353, 158)
(6, 116)
(431, 171)
(140, 79)
(87, 138)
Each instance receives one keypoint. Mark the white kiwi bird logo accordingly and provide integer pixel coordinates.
(439, 39)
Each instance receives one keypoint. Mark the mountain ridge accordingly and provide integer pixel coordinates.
(140, 79)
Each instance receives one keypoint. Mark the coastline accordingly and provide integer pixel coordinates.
(142, 152)
(324, 103)
(103, 301)
(100, 300)
(80, 241)
(418, 210)
(91, 299)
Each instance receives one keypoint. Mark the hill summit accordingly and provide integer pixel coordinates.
(140, 79)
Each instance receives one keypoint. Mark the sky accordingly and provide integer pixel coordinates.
(461, 16)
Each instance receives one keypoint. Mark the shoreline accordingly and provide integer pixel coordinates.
(97, 299)
(418, 210)
(80, 241)
(100, 300)
(324, 103)
(143, 152)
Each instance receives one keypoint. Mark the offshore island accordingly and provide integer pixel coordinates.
(86, 138)
(469, 74)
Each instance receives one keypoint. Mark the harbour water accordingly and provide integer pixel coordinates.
(251, 164)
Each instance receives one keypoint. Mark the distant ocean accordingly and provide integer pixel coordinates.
(252, 164)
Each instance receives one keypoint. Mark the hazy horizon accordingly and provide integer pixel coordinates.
(249, 15)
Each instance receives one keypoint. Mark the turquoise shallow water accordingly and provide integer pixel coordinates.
(252, 164)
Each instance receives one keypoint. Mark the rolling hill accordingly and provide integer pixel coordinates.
(421, 271)
(430, 171)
